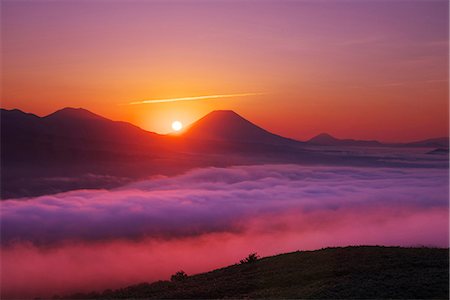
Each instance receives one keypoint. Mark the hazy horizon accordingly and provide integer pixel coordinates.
(189, 124)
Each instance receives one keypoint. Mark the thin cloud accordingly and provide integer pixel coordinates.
(193, 98)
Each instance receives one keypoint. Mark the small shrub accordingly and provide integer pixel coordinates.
(252, 257)
(178, 276)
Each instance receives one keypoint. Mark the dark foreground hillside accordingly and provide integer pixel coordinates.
(351, 272)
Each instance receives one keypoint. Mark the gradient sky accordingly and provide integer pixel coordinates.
(355, 69)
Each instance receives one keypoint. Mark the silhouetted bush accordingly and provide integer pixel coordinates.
(179, 276)
(252, 257)
(365, 272)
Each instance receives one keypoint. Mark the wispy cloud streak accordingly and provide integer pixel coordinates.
(193, 98)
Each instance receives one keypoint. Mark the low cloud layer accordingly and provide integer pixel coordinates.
(215, 200)
(164, 223)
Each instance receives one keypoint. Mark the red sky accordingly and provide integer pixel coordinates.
(355, 69)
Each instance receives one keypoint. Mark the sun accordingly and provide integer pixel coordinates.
(177, 126)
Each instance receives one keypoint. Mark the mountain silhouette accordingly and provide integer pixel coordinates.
(54, 153)
(81, 123)
(325, 139)
(226, 125)
(74, 148)
(50, 154)
(68, 113)
(72, 134)
(442, 142)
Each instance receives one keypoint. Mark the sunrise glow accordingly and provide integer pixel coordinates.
(195, 149)
(312, 62)
(177, 125)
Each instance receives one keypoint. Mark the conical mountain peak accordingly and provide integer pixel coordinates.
(323, 137)
(227, 125)
(73, 113)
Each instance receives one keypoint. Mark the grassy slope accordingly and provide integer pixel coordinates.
(350, 272)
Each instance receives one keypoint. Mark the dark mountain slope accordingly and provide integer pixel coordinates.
(442, 142)
(74, 148)
(332, 273)
(73, 137)
(53, 153)
(226, 125)
(70, 124)
(81, 123)
(74, 113)
(325, 139)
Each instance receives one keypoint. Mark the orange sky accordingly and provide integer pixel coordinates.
(365, 70)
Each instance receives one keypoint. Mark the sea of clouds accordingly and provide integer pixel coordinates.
(208, 218)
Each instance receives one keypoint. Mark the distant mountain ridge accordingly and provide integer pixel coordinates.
(41, 155)
(442, 142)
(218, 125)
(67, 122)
(72, 112)
(325, 139)
(66, 133)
